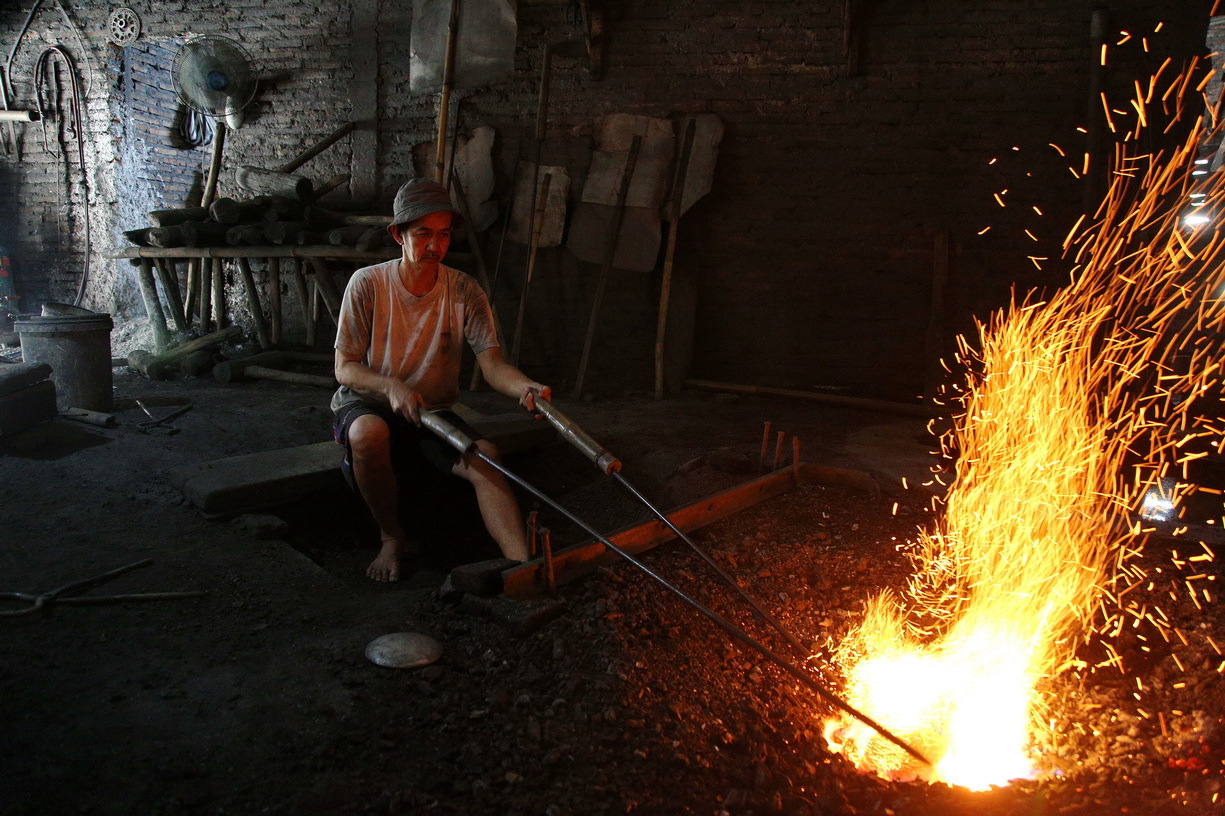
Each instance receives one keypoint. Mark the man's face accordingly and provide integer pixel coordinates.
(425, 241)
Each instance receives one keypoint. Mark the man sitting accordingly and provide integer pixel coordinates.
(398, 352)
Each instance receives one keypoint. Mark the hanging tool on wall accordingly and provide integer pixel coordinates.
(465, 444)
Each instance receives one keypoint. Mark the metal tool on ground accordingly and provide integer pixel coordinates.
(161, 423)
(465, 444)
(403, 650)
(614, 233)
(67, 594)
(610, 465)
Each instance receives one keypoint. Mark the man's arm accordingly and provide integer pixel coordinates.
(510, 381)
(366, 381)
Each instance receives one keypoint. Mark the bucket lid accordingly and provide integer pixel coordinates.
(34, 324)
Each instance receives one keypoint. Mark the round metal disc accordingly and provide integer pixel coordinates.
(403, 650)
(124, 26)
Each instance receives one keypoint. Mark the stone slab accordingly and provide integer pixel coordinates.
(252, 481)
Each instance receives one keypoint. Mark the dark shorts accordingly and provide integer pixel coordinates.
(412, 449)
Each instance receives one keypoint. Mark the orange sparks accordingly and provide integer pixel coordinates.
(1048, 507)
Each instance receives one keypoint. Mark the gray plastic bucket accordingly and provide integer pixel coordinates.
(78, 349)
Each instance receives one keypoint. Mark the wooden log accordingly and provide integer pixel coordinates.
(271, 182)
(245, 235)
(346, 236)
(283, 232)
(160, 366)
(166, 236)
(309, 238)
(203, 233)
(331, 184)
(199, 363)
(148, 364)
(372, 239)
(281, 208)
(232, 211)
(170, 218)
(19, 376)
(317, 148)
(352, 219)
(139, 237)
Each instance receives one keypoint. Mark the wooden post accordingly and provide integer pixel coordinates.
(304, 301)
(274, 299)
(665, 291)
(609, 257)
(219, 293)
(168, 276)
(481, 269)
(206, 292)
(542, 202)
(327, 288)
(153, 306)
(257, 312)
(214, 165)
(444, 99)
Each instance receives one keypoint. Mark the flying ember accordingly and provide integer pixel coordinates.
(1076, 409)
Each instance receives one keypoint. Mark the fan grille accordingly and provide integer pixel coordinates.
(213, 75)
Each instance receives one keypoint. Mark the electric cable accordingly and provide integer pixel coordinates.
(77, 125)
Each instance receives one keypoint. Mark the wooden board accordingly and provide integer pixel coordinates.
(239, 484)
(527, 579)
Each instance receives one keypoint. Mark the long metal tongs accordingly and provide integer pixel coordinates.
(466, 444)
(610, 465)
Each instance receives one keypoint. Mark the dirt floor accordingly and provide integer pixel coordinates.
(258, 697)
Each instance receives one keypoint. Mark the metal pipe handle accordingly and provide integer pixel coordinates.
(577, 437)
(450, 434)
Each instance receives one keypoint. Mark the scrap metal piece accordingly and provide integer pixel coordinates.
(403, 650)
(123, 27)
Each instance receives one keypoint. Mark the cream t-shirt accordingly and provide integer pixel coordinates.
(414, 339)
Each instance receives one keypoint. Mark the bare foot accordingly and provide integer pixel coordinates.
(386, 567)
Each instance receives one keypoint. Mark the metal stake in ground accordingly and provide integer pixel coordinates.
(465, 444)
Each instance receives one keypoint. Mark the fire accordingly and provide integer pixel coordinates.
(1076, 409)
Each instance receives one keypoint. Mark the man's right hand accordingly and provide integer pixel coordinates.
(405, 401)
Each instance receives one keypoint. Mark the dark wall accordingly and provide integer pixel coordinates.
(841, 171)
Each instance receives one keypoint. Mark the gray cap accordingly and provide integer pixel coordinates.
(419, 197)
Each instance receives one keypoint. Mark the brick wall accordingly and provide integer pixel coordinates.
(811, 261)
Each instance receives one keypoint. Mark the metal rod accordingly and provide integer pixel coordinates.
(550, 573)
(765, 446)
(533, 530)
(465, 444)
